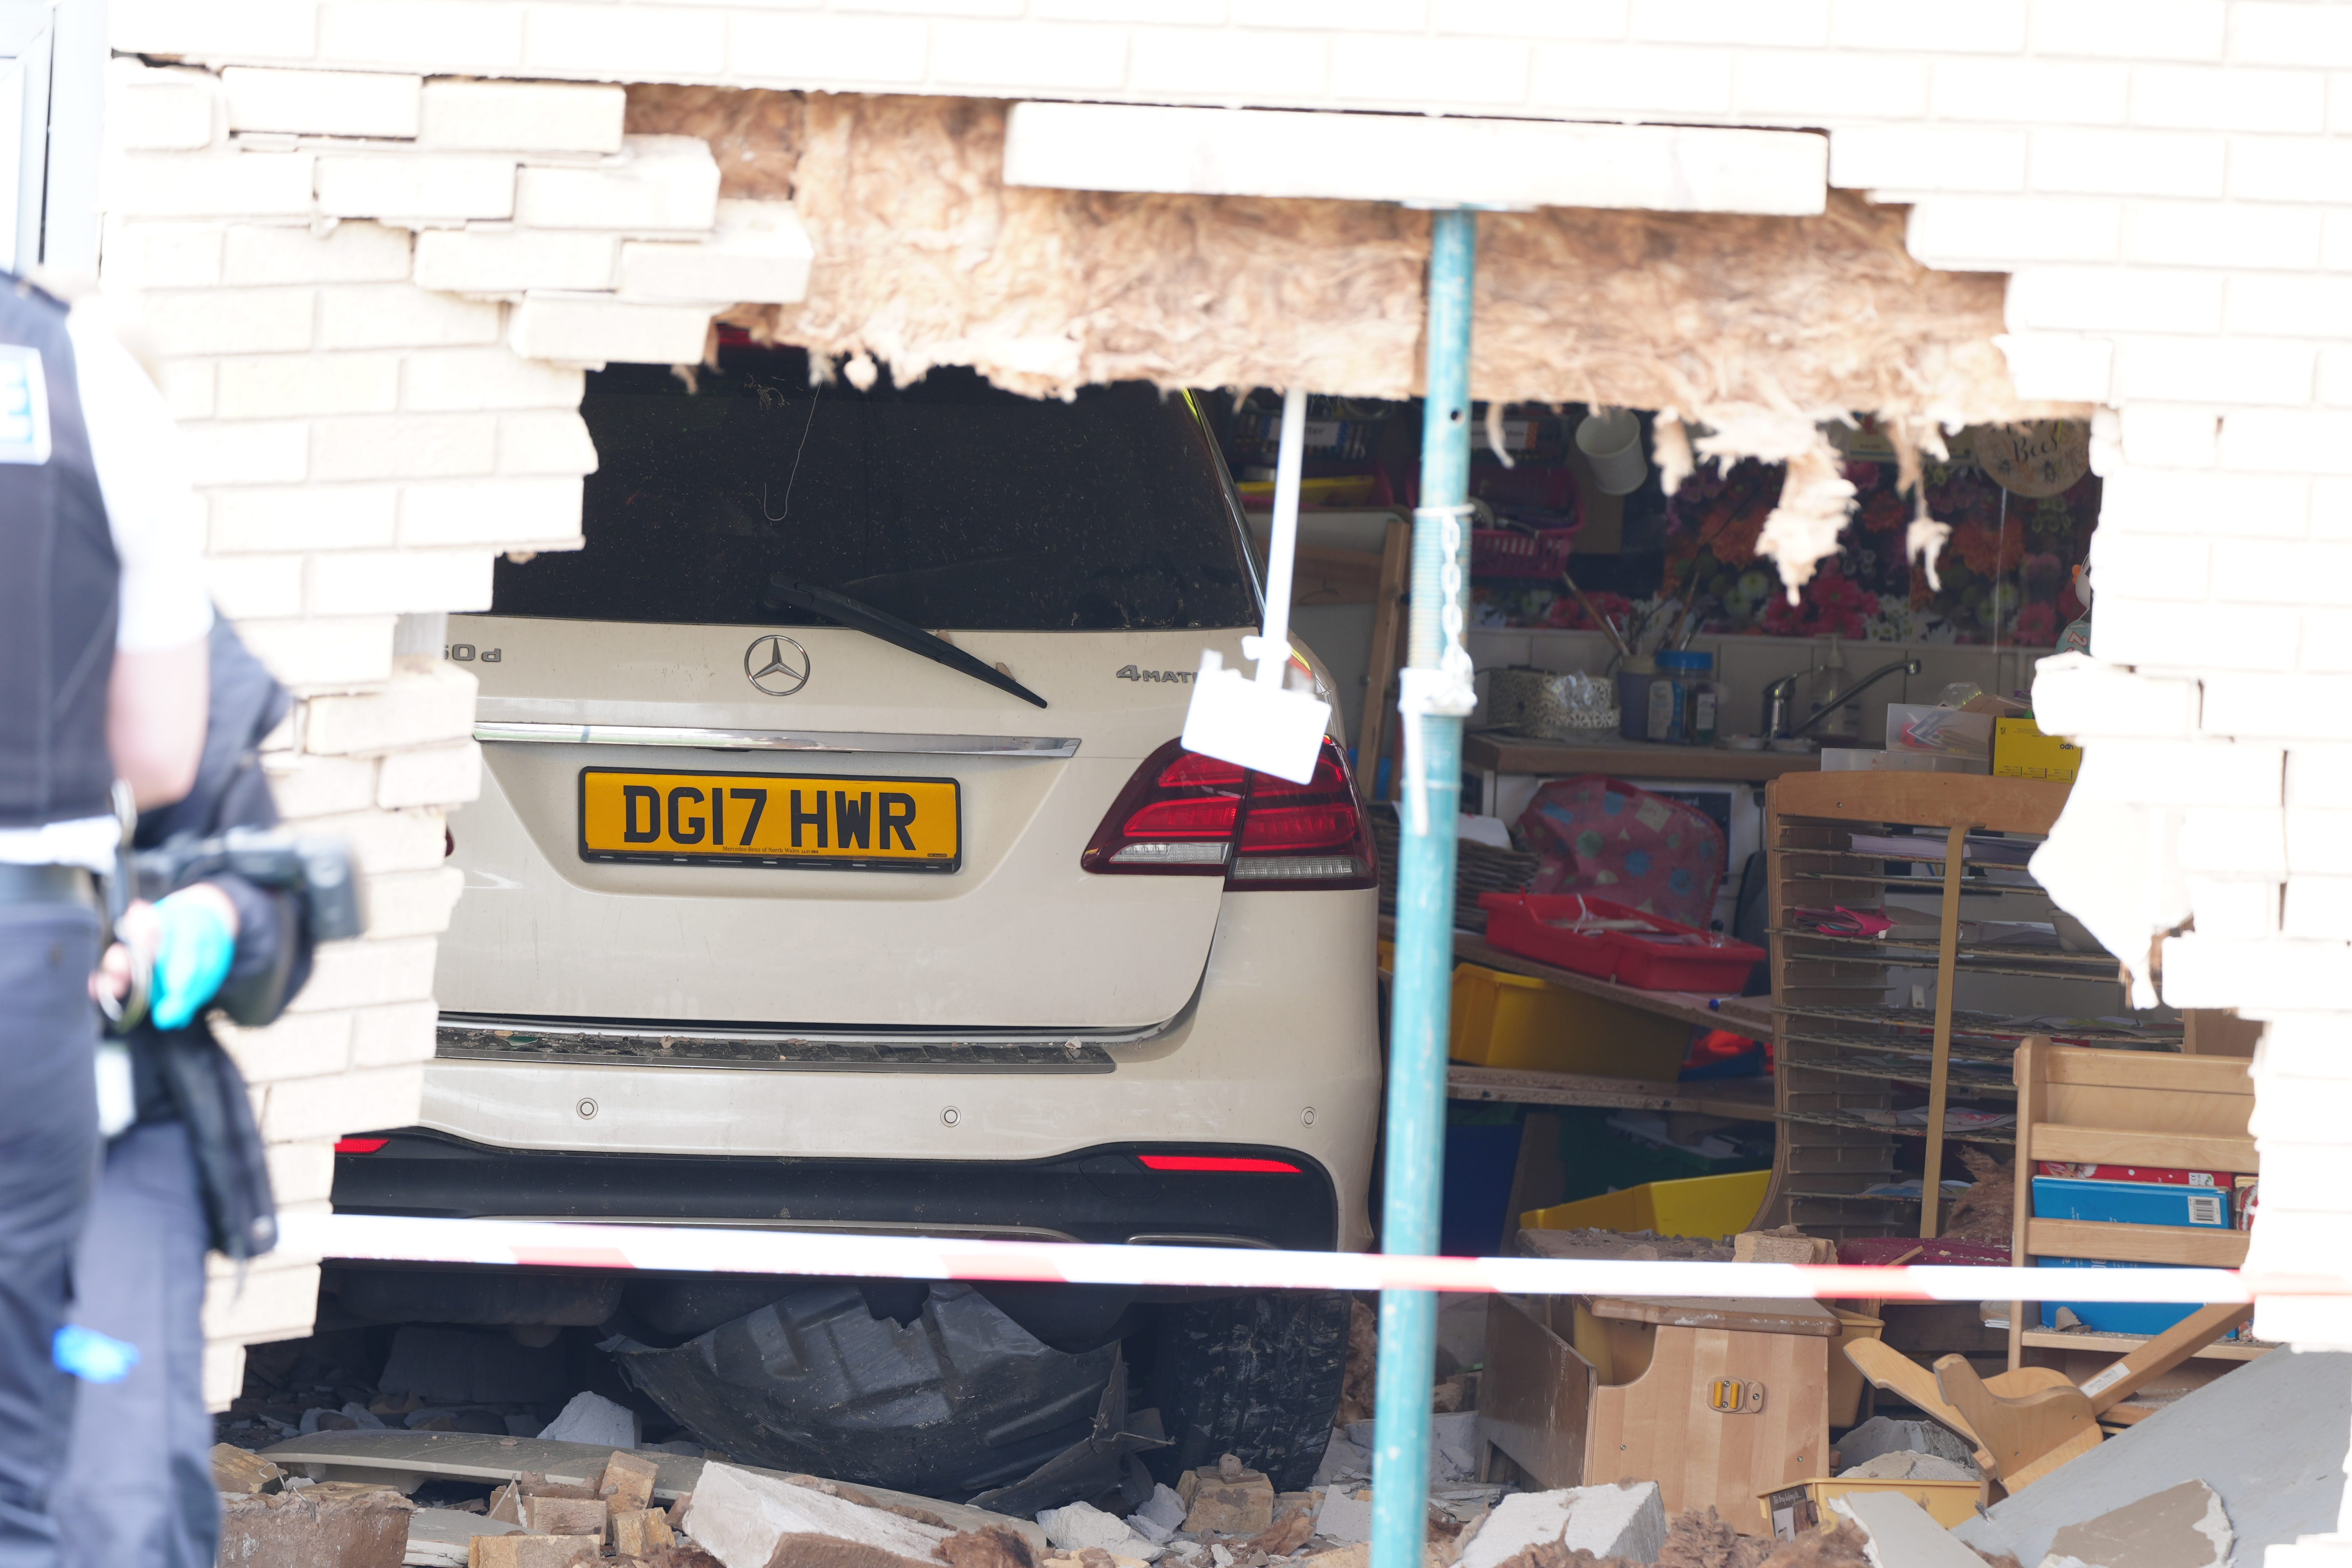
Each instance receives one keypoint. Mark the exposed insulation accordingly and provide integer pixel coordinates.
(924, 257)
(1754, 328)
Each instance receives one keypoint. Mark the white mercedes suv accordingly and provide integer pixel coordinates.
(836, 867)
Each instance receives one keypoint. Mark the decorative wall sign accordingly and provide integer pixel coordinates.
(2042, 457)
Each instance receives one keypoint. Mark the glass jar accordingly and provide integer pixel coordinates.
(1687, 715)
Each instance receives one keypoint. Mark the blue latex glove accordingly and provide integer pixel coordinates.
(193, 950)
(91, 1356)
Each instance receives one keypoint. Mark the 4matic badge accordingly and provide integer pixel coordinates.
(1172, 677)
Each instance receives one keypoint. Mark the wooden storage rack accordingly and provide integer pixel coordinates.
(2109, 1107)
(1842, 1052)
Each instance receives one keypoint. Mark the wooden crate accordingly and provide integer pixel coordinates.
(1581, 1390)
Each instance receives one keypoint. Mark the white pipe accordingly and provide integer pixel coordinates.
(1282, 546)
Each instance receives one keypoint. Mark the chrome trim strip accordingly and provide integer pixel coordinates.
(542, 1047)
(843, 1226)
(662, 1033)
(778, 739)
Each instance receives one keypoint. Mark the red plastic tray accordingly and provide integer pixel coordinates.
(1522, 923)
(1507, 552)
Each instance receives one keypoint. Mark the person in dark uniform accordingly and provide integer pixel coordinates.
(102, 627)
(185, 1169)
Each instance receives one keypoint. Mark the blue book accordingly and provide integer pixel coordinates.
(2125, 1203)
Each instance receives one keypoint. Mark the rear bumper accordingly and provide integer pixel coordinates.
(1280, 1050)
(1098, 1195)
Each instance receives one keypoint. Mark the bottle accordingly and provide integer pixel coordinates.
(1635, 676)
(1706, 702)
(1840, 727)
(1687, 672)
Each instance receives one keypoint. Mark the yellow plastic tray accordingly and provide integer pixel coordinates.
(1503, 1020)
(1698, 1205)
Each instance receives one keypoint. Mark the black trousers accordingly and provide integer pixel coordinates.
(137, 1491)
(48, 1154)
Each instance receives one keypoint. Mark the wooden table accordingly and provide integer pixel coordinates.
(1494, 752)
(1738, 1100)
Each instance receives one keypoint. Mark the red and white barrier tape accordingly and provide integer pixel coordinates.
(703, 1249)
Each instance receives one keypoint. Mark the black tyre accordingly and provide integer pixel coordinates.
(1257, 1377)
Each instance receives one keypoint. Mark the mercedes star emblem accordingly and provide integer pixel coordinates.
(776, 664)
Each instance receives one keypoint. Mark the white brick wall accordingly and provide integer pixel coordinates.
(2167, 183)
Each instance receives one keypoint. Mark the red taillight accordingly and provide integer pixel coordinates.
(1218, 1162)
(1188, 816)
(360, 1145)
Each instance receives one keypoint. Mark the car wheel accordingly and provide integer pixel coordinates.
(1257, 1376)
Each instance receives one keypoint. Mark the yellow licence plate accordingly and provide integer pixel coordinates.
(770, 819)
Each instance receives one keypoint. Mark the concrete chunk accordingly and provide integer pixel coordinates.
(1883, 1435)
(739, 1515)
(593, 1418)
(2181, 1527)
(1081, 1525)
(1626, 1520)
(1347, 1515)
(2269, 1439)
(1219, 1504)
(1902, 1535)
(1900, 1464)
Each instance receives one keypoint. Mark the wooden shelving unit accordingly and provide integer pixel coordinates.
(2097, 1108)
(1848, 1063)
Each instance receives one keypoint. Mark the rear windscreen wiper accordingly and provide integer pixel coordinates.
(858, 615)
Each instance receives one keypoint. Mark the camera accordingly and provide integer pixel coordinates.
(316, 870)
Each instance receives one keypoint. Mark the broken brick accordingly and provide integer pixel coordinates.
(526, 1551)
(637, 1531)
(350, 1526)
(996, 1546)
(566, 1516)
(799, 1551)
(236, 1471)
(627, 1484)
(1226, 1498)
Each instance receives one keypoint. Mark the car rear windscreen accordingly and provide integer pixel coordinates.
(949, 503)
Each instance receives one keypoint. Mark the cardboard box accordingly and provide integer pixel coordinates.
(2132, 1202)
(1796, 1511)
(2164, 1175)
(2020, 750)
(1922, 727)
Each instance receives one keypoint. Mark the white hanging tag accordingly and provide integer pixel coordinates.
(1261, 724)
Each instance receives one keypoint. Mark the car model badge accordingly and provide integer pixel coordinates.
(776, 664)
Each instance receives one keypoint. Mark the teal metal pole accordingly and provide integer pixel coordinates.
(1421, 991)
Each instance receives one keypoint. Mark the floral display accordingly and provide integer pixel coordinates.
(2007, 574)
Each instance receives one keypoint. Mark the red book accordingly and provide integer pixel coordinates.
(2163, 1175)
